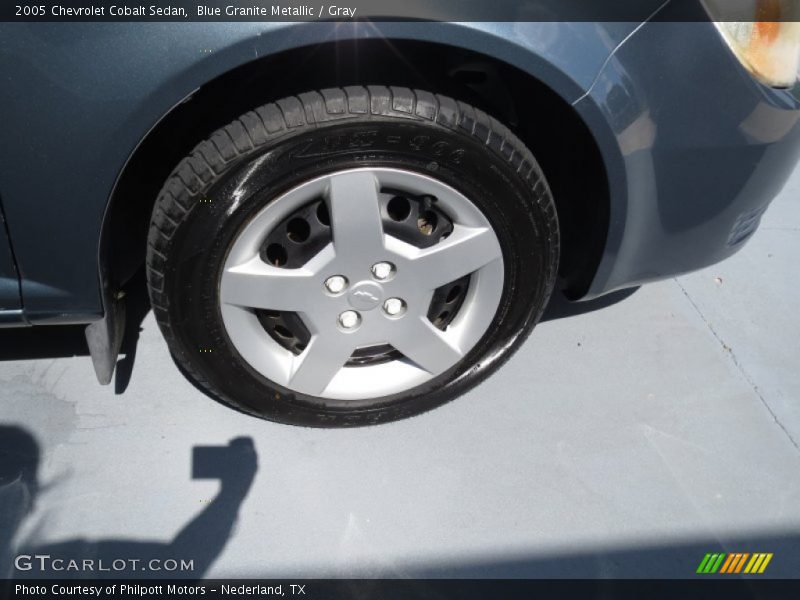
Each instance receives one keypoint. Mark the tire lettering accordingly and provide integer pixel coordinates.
(362, 140)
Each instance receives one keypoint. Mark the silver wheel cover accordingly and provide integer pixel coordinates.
(359, 242)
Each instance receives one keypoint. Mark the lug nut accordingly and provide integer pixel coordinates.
(336, 284)
(349, 319)
(383, 271)
(394, 307)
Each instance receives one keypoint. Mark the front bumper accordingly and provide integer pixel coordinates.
(695, 150)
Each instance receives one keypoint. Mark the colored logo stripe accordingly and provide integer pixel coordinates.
(710, 563)
(758, 563)
(734, 563)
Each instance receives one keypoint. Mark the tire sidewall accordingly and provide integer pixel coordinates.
(200, 245)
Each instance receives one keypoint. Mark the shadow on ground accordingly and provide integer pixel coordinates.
(235, 465)
(200, 541)
(560, 307)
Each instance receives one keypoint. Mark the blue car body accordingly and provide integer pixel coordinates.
(693, 148)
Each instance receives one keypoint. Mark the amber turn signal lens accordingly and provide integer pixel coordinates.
(769, 44)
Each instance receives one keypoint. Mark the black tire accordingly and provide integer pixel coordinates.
(277, 146)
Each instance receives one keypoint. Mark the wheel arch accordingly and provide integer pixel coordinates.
(537, 108)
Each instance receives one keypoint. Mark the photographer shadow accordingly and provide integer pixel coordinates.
(188, 555)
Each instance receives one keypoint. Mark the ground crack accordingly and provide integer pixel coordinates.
(738, 365)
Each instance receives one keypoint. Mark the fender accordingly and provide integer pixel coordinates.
(84, 95)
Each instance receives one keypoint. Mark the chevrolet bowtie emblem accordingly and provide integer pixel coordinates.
(365, 294)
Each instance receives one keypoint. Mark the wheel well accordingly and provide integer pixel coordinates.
(547, 124)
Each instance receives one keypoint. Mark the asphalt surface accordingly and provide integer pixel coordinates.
(625, 441)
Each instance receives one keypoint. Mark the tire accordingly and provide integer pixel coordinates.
(240, 171)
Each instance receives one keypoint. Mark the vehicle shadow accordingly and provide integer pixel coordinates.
(560, 307)
(137, 305)
(194, 548)
(31, 343)
(62, 341)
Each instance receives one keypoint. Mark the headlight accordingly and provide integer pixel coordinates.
(763, 34)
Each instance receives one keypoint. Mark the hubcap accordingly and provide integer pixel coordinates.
(430, 262)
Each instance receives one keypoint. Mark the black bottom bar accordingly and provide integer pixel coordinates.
(390, 589)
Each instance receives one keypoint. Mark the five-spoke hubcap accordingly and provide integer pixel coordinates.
(365, 288)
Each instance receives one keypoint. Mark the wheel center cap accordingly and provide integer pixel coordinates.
(365, 295)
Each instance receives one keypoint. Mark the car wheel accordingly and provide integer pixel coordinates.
(351, 256)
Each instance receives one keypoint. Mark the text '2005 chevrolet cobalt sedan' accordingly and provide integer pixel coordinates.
(348, 223)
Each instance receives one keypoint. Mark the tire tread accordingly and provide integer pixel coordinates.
(260, 127)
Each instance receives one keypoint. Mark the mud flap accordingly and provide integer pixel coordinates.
(104, 338)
